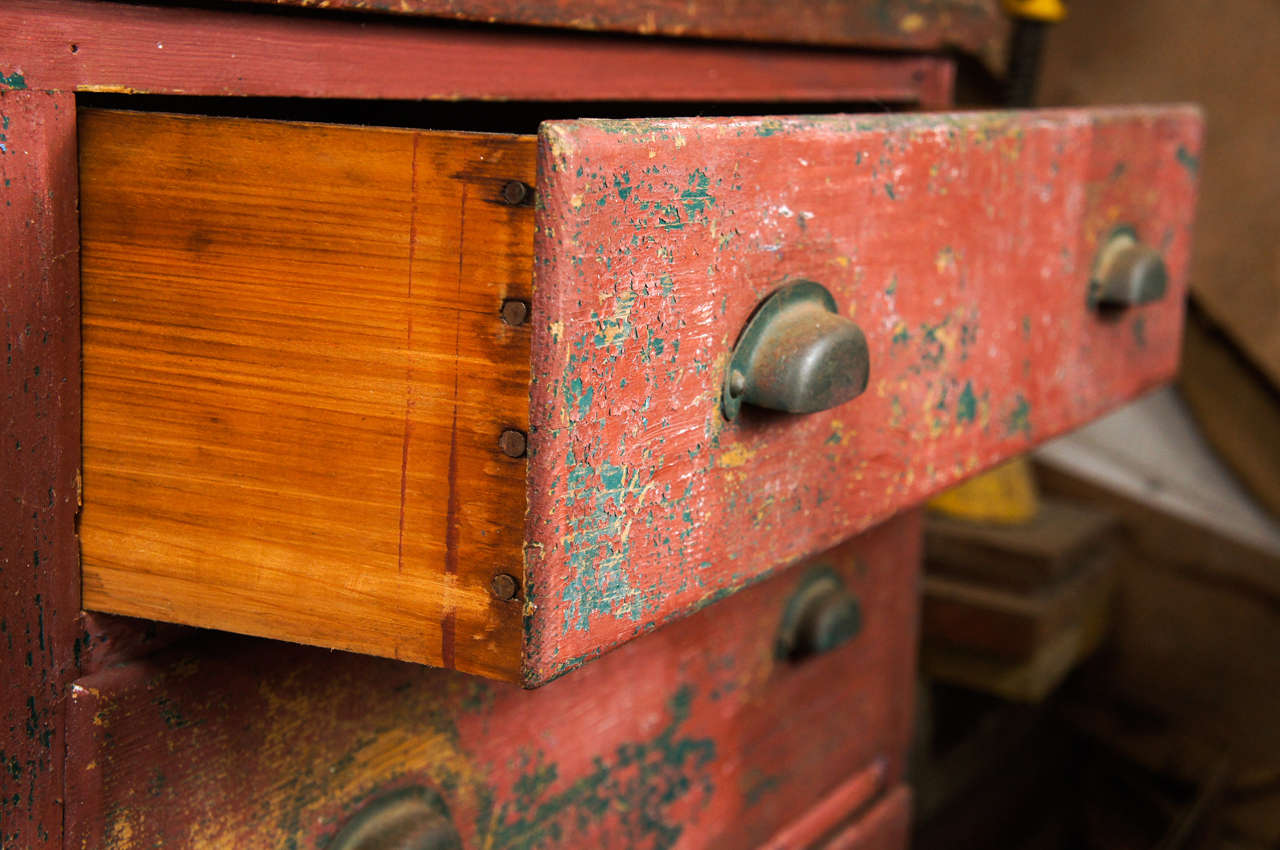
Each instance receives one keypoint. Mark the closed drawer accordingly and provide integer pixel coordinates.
(714, 732)
(314, 409)
(885, 827)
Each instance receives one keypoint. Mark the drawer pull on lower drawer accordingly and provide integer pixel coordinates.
(821, 615)
(797, 354)
(1127, 273)
(412, 818)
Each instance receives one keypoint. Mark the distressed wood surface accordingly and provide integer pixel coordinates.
(695, 737)
(975, 617)
(975, 25)
(39, 453)
(296, 376)
(121, 48)
(885, 827)
(1022, 557)
(962, 244)
(818, 821)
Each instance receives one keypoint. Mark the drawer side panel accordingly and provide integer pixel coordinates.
(295, 380)
(962, 244)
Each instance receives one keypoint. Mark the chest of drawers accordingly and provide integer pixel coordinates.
(475, 401)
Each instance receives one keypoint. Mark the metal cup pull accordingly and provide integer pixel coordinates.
(413, 818)
(797, 354)
(1126, 273)
(821, 614)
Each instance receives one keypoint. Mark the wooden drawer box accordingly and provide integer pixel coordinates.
(308, 378)
(701, 735)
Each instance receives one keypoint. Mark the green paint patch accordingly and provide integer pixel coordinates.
(888, 190)
(697, 197)
(933, 349)
(637, 792)
(1188, 160)
(578, 396)
(14, 81)
(1020, 418)
(622, 184)
(893, 286)
(769, 127)
(668, 216)
(966, 404)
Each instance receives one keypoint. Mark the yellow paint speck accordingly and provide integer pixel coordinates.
(913, 22)
(576, 202)
(735, 456)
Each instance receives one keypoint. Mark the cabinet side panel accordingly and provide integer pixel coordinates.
(296, 376)
(39, 455)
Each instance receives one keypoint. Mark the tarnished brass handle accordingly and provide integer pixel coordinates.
(821, 615)
(1126, 273)
(797, 354)
(413, 818)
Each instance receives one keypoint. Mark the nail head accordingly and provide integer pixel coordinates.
(515, 312)
(505, 586)
(513, 443)
(515, 192)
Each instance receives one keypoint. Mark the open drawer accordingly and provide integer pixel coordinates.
(474, 400)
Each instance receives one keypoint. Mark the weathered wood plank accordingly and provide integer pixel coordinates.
(1024, 556)
(39, 455)
(295, 380)
(698, 736)
(884, 827)
(90, 46)
(963, 246)
(975, 25)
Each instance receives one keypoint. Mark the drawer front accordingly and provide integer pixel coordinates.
(699, 735)
(885, 827)
(962, 246)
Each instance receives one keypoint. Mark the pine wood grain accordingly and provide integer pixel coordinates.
(295, 378)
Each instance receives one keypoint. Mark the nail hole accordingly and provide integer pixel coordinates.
(75, 48)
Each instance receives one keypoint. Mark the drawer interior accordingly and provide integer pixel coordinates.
(298, 374)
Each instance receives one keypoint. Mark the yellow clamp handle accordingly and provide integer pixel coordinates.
(1049, 11)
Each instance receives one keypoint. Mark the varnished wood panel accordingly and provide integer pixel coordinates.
(962, 244)
(698, 736)
(295, 380)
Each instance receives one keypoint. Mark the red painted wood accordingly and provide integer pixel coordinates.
(885, 827)
(108, 47)
(695, 737)
(39, 455)
(840, 805)
(976, 25)
(962, 244)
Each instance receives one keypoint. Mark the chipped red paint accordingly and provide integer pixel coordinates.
(962, 244)
(39, 456)
(696, 737)
(976, 25)
(884, 827)
(126, 48)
